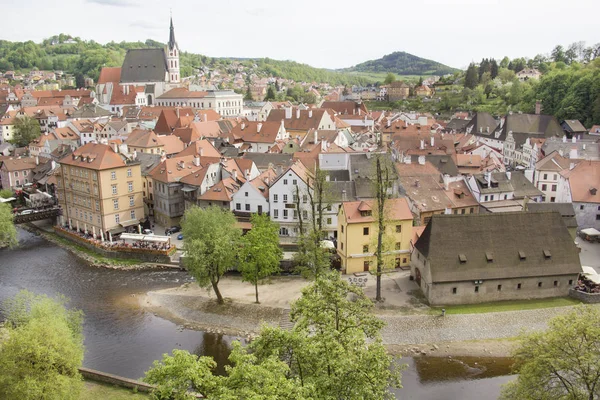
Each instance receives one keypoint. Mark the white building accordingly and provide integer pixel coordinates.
(253, 195)
(282, 199)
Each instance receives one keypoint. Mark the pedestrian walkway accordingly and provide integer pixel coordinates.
(415, 329)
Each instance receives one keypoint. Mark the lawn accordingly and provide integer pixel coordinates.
(98, 391)
(511, 305)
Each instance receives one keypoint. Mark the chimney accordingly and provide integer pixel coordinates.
(573, 153)
(163, 156)
(310, 113)
(37, 160)
(258, 127)
(243, 126)
(417, 184)
(509, 175)
(177, 112)
(574, 139)
(234, 174)
(134, 155)
(201, 151)
(115, 147)
(421, 160)
(487, 129)
(564, 139)
(447, 211)
(571, 166)
(432, 141)
(422, 146)
(288, 112)
(197, 160)
(488, 178)
(538, 107)
(298, 113)
(282, 125)
(446, 179)
(315, 137)
(247, 174)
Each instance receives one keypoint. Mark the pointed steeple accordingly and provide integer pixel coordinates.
(172, 42)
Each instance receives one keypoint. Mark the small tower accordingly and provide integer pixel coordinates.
(173, 57)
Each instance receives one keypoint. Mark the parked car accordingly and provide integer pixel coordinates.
(147, 232)
(26, 212)
(180, 236)
(173, 229)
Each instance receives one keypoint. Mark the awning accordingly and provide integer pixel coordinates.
(131, 222)
(591, 274)
(590, 232)
(116, 231)
(188, 189)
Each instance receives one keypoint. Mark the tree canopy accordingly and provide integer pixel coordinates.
(211, 245)
(561, 363)
(8, 232)
(26, 129)
(42, 351)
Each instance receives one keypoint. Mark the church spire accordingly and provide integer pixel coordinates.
(172, 42)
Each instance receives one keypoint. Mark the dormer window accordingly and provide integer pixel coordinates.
(547, 254)
(522, 256)
(489, 256)
(462, 258)
(366, 213)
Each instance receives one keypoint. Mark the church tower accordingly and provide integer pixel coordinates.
(173, 57)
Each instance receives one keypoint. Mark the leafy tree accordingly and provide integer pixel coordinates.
(8, 232)
(504, 63)
(312, 259)
(25, 131)
(79, 80)
(420, 83)
(494, 69)
(180, 376)
(42, 351)
(389, 78)
(471, 77)
(211, 243)
(270, 94)
(6, 193)
(562, 363)
(335, 335)
(248, 95)
(260, 253)
(558, 54)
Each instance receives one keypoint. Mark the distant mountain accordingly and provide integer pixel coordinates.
(402, 63)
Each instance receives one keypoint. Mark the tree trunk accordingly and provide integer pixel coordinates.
(215, 286)
(381, 193)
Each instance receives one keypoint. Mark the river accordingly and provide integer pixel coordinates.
(123, 339)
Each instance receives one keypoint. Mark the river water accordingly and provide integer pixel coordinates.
(123, 339)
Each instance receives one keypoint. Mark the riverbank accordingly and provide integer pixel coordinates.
(86, 254)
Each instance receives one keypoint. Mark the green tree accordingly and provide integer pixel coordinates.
(181, 376)
(420, 83)
(335, 335)
(270, 94)
(561, 363)
(504, 63)
(260, 253)
(248, 95)
(42, 350)
(211, 243)
(383, 183)
(494, 69)
(558, 54)
(25, 131)
(389, 78)
(471, 77)
(8, 232)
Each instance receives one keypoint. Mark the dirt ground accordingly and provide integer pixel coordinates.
(471, 348)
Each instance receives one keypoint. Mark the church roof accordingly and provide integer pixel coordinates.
(144, 65)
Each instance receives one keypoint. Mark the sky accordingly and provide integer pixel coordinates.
(321, 33)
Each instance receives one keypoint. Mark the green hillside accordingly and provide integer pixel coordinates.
(402, 63)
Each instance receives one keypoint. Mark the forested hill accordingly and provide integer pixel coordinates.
(402, 63)
(76, 56)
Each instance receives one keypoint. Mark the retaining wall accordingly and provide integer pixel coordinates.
(590, 298)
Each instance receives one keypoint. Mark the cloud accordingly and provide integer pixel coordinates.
(256, 12)
(145, 25)
(115, 3)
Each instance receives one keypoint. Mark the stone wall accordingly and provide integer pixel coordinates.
(115, 380)
(154, 256)
(590, 298)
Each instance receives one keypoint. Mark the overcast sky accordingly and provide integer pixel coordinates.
(322, 33)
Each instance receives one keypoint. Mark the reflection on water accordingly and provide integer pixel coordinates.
(123, 339)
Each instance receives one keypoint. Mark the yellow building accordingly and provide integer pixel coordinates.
(100, 190)
(357, 234)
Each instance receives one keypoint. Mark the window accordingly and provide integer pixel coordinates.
(518, 286)
(476, 289)
(342, 245)
(132, 214)
(492, 197)
(129, 172)
(295, 182)
(499, 288)
(365, 231)
(285, 181)
(328, 220)
(16, 174)
(285, 214)
(295, 215)
(545, 176)
(544, 187)
(285, 198)
(463, 211)
(275, 214)
(455, 211)
(454, 290)
(245, 194)
(342, 228)
(554, 188)
(117, 218)
(131, 201)
(114, 189)
(365, 249)
(130, 186)
(304, 199)
(294, 198)
(275, 198)
(247, 207)
(554, 176)
(398, 246)
(555, 283)
(329, 207)
(113, 175)
(552, 199)
(485, 198)
(366, 265)
(570, 281)
(471, 210)
(97, 205)
(304, 214)
(238, 206)
(597, 217)
(116, 204)
(539, 284)
(581, 207)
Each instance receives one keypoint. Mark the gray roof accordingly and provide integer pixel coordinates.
(531, 125)
(523, 187)
(90, 111)
(147, 162)
(364, 187)
(565, 209)
(263, 160)
(341, 191)
(482, 124)
(573, 125)
(499, 183)
(503, 236)
(457, 125)
(588, 149)
(342, 175)
(444, 164)
(144, 65)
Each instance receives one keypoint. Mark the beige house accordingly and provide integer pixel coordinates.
(100, 190)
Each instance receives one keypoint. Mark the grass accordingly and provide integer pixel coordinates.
(98, 391)
(509, 305)
(91, 253)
